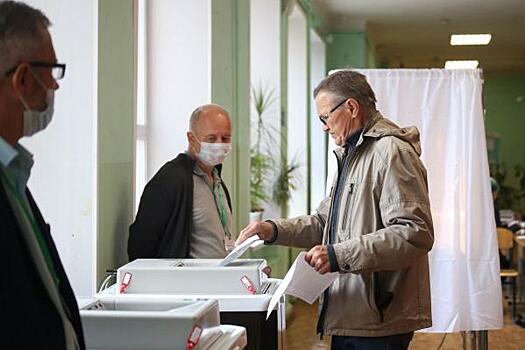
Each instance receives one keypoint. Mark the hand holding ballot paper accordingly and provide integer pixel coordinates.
(239, 250)
(302, 281)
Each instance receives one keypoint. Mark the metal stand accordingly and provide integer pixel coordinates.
(479, 340)
(483, 340)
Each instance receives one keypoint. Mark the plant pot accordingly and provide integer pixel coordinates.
(256, 215)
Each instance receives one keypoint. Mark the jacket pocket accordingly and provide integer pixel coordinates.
(347, 207)
(372, 292)
(352, 294)
(381, 298)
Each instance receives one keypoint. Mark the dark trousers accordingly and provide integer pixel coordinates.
(391, 342)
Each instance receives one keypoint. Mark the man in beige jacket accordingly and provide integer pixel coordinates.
(375, 227)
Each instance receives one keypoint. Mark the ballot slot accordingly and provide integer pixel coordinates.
(270, 286)
(189, 276)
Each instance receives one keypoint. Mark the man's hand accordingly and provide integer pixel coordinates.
(317, 257)
(261, 228)
(267, 270)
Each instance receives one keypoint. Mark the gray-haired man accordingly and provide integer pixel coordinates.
(375, 227)
(37, 302)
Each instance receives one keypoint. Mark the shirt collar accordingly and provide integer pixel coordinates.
(7, 152)
(16, 163)
(351, 141)
(199, 172)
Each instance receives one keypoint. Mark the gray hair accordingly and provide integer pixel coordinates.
(22, 31)
(345, 84)
(196, 114)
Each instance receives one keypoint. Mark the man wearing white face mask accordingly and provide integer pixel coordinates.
(48, 315)
(185, 209)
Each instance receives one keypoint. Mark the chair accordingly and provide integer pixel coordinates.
(505, 245)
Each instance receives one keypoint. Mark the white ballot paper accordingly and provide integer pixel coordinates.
(303, 282)
(239, 250)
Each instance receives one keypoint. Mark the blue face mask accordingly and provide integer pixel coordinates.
(34, 120)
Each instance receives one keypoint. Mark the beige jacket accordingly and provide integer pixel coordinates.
(384, 232)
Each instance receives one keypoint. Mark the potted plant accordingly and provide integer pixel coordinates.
(285, 182)
(512, 188)
(261, 163)
(263, 166)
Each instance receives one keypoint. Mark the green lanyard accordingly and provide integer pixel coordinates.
(221, 211)
(36, 230)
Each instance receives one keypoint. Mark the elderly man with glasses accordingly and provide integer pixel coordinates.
(38, 304)
(374, 229)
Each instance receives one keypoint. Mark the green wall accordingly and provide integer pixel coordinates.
(231, 89)
(504, 99)
(371, 58)
(115, 124)
(350, 50)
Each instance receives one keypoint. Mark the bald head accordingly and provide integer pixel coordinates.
(206, 113)
(209, 123)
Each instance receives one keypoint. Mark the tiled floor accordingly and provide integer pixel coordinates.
(301, 333)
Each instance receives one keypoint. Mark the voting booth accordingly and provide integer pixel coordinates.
(242, 290)
(136, 323)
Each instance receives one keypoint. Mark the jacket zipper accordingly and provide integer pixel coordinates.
(329, 217)
(320, 321)
(322, 314)
(347, 206)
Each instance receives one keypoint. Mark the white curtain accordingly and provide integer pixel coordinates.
(446, 106)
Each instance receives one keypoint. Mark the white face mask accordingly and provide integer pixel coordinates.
(34, 120)
(214, 153)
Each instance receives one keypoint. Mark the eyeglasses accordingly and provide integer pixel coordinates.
(324, 117)
(58, 70)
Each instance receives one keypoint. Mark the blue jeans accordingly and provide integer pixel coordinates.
(391, 342)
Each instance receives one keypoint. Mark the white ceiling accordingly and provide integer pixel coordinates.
(416, 33)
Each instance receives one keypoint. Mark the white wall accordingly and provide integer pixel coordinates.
(318, 137)
(178, 74)
(265, 70)
(63, 177)
(297, 99)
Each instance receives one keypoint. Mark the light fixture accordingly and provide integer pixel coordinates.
(470, 39)
(463, 64)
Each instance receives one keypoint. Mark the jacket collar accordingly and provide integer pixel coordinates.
(365, 132)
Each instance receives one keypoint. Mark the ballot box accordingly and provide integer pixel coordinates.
(242, 289)
(135, 323)
(188, 276)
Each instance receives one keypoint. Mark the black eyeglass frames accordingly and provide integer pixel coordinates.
(324, 117)
(58, 70)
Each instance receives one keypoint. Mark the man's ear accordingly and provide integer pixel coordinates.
(19, 81)
(354, 107)
(192, 142)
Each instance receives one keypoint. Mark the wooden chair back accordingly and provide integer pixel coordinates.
(505, 238)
